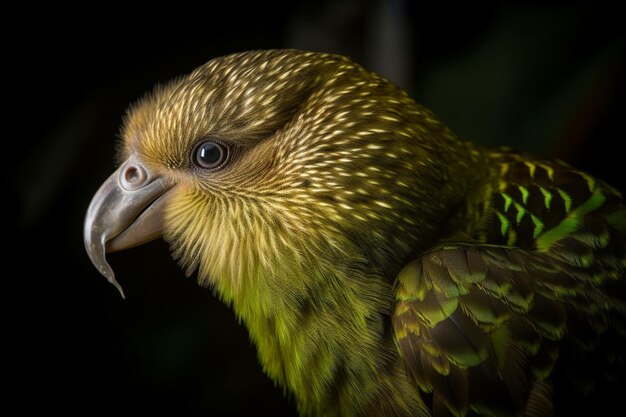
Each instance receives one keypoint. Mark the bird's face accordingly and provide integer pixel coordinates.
(257, 162)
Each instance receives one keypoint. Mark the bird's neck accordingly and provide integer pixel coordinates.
(324, 336)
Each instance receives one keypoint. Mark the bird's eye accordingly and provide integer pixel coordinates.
(210, 155)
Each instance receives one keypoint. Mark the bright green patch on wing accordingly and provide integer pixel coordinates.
(521, 211)
(566, 199)
(504, 223)
(524, 192)
(507, 201)
(547, 197)
(512, 237)
(539, 226)
(571, 222)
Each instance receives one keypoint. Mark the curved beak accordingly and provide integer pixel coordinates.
(126, 211)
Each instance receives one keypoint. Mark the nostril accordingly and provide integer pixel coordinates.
(133, 177)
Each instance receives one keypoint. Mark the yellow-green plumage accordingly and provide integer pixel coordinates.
(336, 182)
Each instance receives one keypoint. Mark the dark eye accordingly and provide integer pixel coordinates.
(210, 155)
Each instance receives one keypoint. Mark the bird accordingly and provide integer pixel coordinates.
(381, 265)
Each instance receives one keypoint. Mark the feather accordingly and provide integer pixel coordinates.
(485, 310)
(332, 179)
(498, 314)
(540, 401)
(461, 340)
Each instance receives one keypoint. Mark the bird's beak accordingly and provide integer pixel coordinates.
(126, 211)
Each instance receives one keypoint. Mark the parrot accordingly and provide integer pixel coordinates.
(381, 265)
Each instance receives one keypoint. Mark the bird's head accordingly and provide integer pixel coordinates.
(261, 162)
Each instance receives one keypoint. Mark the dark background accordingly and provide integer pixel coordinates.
(544, 78)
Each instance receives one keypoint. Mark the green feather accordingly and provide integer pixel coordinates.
(571, 222)
(617, 219)
(547, 197)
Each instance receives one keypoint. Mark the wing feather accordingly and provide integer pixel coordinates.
(478, 325)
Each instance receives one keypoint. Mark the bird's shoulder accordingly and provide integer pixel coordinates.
(535, 201)
(480, 322)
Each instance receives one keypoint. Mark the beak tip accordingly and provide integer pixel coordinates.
(121, 292)
(119, 288)
(110, 276)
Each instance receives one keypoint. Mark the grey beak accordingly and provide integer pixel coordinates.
(126, 211)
